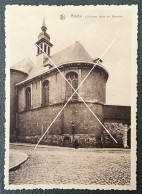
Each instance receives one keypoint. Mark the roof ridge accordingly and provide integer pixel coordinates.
(64, 49)
(76, 42)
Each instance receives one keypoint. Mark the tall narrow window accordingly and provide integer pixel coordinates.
(28, 98)
(41, 47)
(45, 48)
(38, 51)
(45, 93)
(48, 50)
(72, 78)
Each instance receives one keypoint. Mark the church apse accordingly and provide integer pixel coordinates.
(44, 92)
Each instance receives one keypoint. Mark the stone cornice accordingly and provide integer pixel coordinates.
(63, 66)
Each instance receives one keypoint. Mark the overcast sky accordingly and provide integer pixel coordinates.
(23, 25)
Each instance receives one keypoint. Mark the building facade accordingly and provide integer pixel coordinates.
(39, 92)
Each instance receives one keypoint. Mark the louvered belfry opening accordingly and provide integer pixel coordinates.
(45, 93)
(72, 78)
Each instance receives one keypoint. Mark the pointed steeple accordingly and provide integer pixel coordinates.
(44, 43)
(44, 28)
(44, 34)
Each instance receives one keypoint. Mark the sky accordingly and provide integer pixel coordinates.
(94, 26)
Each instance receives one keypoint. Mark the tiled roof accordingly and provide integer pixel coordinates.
(72, 54)
(25, 65)
(75, 53)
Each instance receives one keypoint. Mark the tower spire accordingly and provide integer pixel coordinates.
(43, 43)
(44, 28)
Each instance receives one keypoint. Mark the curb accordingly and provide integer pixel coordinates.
(19, 163)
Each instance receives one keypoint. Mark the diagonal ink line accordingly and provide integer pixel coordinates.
(75, 91)
(78, 95)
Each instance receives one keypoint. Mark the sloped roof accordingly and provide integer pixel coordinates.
(25, 65)
(71, 54)
(75, 53)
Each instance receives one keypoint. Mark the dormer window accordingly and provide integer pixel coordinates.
(48, 65)
(97, 60)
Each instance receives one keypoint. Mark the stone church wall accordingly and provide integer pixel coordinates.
(115, 118)
(36, 94)
(94, 87)
(92, 90)
(21, 98)
(117, 130)
(88, 132)
(55, 87)
(15, 77)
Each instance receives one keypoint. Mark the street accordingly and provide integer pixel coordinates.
(59, 165)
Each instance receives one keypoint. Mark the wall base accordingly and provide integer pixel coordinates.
(65, 140)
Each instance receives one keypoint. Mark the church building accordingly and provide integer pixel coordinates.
(38, 92)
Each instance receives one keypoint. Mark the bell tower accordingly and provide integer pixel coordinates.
(44, 43)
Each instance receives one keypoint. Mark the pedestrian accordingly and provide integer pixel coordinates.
(76, 144)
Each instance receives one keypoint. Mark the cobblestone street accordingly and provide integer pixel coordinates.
(58, 165)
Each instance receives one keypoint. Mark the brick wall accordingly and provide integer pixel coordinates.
(87, 130)
(32, 124)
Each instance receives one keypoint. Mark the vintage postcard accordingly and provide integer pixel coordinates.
(71, 76)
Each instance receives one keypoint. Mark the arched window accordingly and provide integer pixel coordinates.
(72, 78)
(28, 98)
(45, 93)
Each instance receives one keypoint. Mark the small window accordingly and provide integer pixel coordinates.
(45, 93)
(72, 78)
(28, 98)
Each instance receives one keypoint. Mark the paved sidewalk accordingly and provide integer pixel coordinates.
(16, 159)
